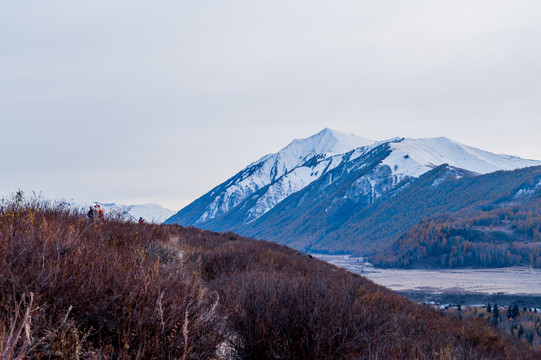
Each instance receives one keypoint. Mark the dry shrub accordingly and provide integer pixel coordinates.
(283, 305)
(97, 291)
(70, 288)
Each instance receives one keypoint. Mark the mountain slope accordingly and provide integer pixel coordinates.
(502, 233)
(319, 200)
(280, 174)
(441, 190)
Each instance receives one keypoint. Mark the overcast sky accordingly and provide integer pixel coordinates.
(134, 101)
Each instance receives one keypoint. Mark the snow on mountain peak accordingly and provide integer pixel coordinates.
(326, 142)
(284, 167)
(333, 142)
(414, 157)
(275, 177)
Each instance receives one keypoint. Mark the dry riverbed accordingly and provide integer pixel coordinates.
(521, 285)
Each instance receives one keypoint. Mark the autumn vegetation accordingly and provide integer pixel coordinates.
(79, 289)
(521, 323)
(494, 235)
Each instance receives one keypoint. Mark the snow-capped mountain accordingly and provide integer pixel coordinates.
(284, 173)
(415, 157)
(265, 183)
(152, 213)
(334, 192)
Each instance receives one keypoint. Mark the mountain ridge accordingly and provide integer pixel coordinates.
(306, 191)
(287, 170)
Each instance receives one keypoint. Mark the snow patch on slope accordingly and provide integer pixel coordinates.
(295, 180)
(371, 186)
(528, 191)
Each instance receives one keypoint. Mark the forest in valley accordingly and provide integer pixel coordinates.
(494, 235)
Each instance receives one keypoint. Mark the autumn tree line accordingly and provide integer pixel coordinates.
(495, 235)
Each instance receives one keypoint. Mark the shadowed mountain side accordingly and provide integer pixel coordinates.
(306, 217)
(370, 228)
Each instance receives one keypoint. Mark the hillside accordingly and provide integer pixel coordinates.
(312, 198)
(98, 290)
(152, 213)
(502, 233)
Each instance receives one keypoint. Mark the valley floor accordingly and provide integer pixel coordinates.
(520, 285)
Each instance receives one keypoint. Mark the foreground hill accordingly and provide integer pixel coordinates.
(70, 288)
(338, 193)
(152, 213)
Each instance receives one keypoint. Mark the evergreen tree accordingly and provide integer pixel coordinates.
(520, 331)
(495, 315)
(489, 309)
(515, 311)
(529, 337)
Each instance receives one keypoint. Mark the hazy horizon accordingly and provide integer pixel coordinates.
(100, 200)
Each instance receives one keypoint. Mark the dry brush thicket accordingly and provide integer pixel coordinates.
(70, 288)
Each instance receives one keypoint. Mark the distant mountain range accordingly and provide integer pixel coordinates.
(339, 193)
(152, 213)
